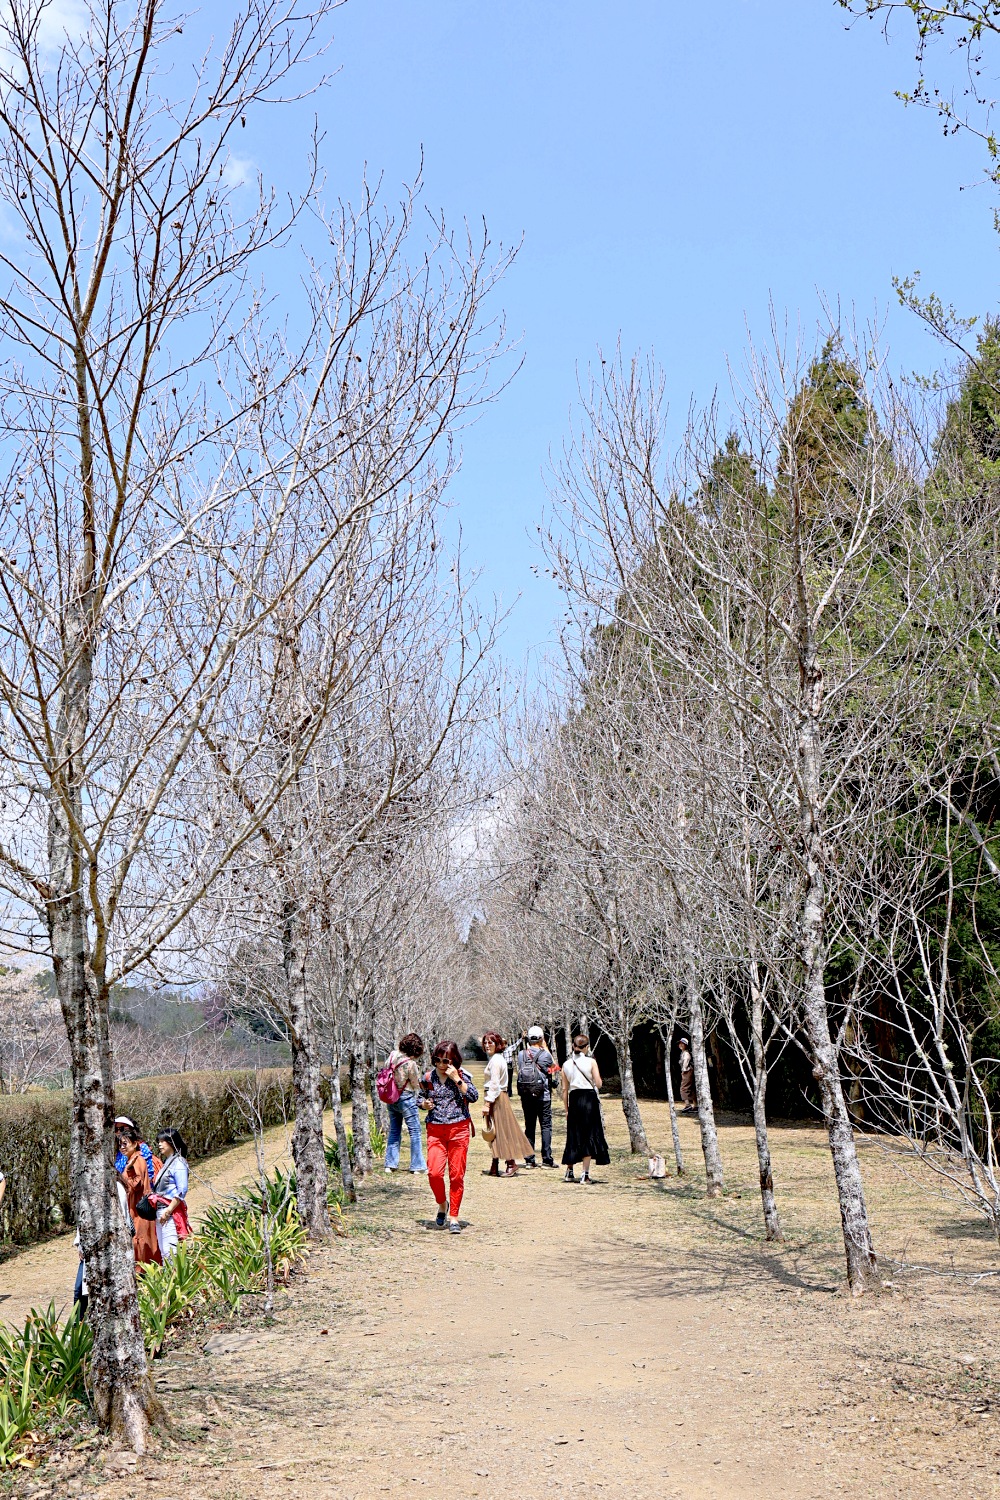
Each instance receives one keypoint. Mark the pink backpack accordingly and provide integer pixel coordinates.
(386, 1086)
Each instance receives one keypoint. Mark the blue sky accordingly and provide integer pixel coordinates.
(671, 168)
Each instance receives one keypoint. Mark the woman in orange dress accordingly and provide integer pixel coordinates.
(135, 1178)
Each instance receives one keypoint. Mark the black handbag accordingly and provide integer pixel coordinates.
(144, 1208)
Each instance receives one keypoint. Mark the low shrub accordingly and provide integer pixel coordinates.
(34, 1134)
(376, 1137)
(42, 1375)
(168, 1292)
(234, 1256)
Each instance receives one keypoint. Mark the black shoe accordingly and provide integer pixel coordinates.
(529, 1161)
(439, 1220)
(569, 1175)
(549, 1163)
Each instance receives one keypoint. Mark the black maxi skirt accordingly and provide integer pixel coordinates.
(584, 1129)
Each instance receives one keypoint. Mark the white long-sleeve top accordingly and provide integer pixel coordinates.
(495, 1077)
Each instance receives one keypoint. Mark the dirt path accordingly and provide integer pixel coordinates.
(629, 1339)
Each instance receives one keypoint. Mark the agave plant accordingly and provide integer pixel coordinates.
(48, 1359)
(17, 1416)
(168, 1292)
(42, 1373)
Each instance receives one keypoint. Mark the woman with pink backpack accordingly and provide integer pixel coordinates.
(397, 1085)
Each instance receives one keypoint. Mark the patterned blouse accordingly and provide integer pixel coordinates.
(450, 1108)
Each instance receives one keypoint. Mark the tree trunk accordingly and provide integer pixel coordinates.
(121, 1387)
(359, 1114)
(346, 1169)
(706, 1113)
(568, 1024)
(668, 1043)
(311, 1176)
(380, 1112)
(772, 1223)
(862, 1267)
(630, 1103)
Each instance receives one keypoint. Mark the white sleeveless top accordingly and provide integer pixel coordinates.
(579, 1071)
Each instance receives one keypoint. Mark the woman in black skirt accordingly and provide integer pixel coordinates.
(585, 1142)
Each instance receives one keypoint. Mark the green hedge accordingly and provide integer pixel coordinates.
(34, 1134)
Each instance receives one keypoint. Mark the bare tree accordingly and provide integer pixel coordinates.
(577, 875)
(751, 570)
(926, 1061)
(164, 501)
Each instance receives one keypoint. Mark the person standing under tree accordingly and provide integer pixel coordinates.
(169, 1195)
(689, 1097)
(534, 1087)
(585, 1139)
(134, 1177)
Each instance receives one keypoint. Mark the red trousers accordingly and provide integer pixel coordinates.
(448, 1146)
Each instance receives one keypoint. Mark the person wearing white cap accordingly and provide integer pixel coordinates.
(153, 1163)
(534, 1087)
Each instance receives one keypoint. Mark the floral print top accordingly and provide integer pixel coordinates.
(449, 1107)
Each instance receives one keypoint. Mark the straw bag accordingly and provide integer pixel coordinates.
(489, 1131)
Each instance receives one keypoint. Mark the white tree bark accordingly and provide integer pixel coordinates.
(703, 1089)
(311, 1175)
(668, 1078)
(630, 1101)
(772, 1221)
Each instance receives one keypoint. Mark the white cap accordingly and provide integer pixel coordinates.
(536, 1034)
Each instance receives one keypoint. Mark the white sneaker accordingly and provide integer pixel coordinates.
(389, 1171)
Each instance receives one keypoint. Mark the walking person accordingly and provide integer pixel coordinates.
(534, 1087)
(404, 1108)
(585, 1139)
(134, 1177)
(169, 1193)
(689, 1096)
(509, 1140)
(448, 1090)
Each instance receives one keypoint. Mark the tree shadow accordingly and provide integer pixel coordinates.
(648, 1273)
(965, 1229)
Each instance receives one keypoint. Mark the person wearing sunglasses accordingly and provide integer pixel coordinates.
(447, 1091)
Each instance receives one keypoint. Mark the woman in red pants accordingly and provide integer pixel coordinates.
(447, 1091)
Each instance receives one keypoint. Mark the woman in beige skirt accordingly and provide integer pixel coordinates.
(509, 1140)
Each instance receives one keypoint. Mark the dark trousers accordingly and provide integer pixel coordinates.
(78, 1296)
(535, 1110)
